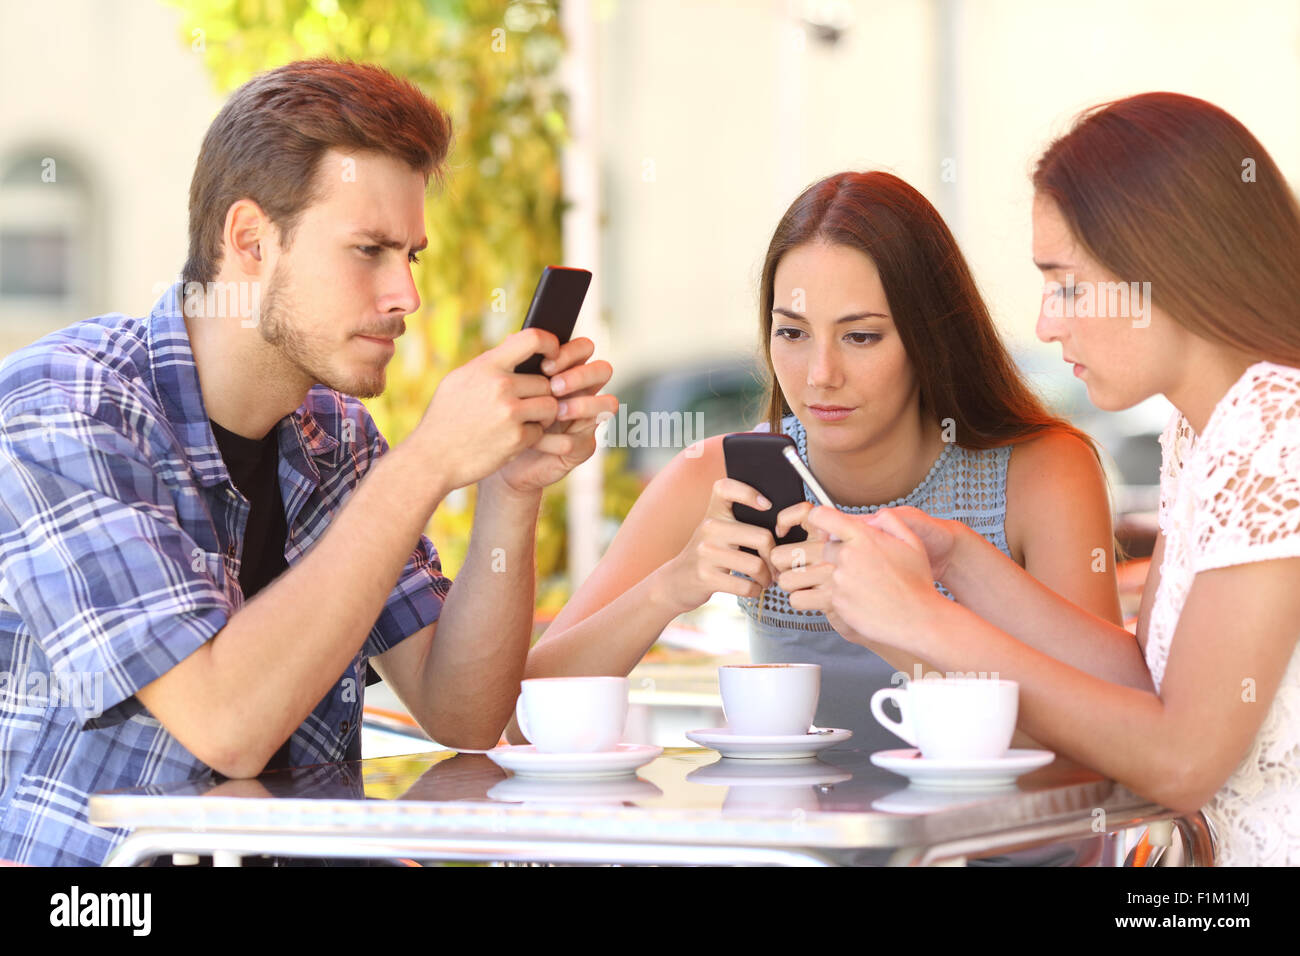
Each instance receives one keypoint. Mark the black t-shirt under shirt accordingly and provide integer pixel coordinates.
(253, 465)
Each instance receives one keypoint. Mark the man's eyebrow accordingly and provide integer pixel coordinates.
(386, 241)
(847, 318)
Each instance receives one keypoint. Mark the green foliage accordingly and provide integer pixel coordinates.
(492, 66)
(621, 489)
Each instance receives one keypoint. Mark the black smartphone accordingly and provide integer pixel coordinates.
(557, 300)
(755, 458)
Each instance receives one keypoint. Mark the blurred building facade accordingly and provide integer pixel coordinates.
(103, 106)
(717, 113)
(714, 115)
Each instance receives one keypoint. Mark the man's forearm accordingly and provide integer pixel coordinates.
(472, 672)
(245, 691)
(989, 583)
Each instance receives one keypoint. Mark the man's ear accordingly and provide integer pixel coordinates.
(247, 228)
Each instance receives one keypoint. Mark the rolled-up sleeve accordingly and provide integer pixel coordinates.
(414, 603)
(94, 558)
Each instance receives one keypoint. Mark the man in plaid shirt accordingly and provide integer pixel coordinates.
(205, 542)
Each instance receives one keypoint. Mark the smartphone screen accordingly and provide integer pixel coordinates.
(555, 307)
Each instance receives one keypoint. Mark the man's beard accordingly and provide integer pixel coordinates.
(278, 326)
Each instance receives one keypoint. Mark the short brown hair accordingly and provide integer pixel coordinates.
(268, 140)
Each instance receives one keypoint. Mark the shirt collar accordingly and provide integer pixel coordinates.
(176, 386)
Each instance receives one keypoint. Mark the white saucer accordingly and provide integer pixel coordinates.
(962, 774)
(527, 761)
(782, 747)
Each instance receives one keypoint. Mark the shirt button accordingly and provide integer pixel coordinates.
(343, 726)
(230, 551)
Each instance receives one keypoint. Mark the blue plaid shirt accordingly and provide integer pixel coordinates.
(120, 541)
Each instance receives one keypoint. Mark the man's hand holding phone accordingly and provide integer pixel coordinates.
(526, 411)
(484, 414)
(570, 439)
(574, 381)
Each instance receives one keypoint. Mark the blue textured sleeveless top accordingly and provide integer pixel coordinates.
(963, 484)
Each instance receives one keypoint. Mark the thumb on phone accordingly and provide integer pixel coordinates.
(523, 345)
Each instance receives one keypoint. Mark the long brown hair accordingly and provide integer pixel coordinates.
(268, 140)
(964, 370)
(1172, 190)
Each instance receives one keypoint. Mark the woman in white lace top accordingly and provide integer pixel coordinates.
(1202, 710)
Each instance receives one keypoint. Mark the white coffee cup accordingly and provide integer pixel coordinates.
(953, 718)
(573, 714)
(770, 700)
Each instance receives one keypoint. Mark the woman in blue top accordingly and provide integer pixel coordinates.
(887, 370)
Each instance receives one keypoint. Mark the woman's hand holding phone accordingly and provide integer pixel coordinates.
(802, 554)
(802, 568)
(938, 536)
(704, 566)
(879, 579)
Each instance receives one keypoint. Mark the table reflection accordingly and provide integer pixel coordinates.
(836, 781)
(688, 805)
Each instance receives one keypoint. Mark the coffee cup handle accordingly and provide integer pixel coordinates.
(902, 727)
(519, 718)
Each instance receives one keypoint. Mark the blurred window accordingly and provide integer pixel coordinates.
(44, 216)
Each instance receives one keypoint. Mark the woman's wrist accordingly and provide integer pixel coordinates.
(937, 619)
(664, 593)
(966, 544)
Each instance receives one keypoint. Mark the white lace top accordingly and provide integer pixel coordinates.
(1232, 496)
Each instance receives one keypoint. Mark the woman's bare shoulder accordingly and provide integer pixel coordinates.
(1051, 472)
(699, 463)
(1051, 450)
